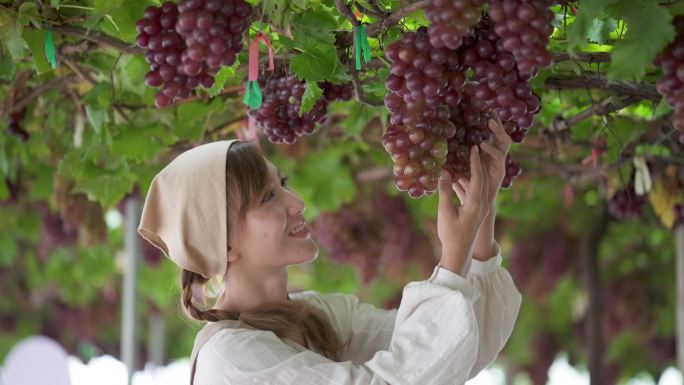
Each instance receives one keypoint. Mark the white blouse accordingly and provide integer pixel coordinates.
(445, 331)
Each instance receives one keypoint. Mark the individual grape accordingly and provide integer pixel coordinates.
(671, 84)
(524, 27)
(279, 115)
(14, 126)
(451, 21)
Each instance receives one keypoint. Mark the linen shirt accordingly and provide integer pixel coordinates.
(445, 331)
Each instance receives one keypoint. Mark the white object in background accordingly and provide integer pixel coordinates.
(36, 360)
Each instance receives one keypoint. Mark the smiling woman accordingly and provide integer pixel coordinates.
(223, 210)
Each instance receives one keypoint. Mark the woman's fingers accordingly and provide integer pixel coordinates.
(460, 187)
(493, 152)
(444, 183)
(475, 187)
(501, 139)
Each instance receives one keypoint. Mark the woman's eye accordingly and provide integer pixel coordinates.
(283, 182)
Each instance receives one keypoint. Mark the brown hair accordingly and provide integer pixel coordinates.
(248, 175)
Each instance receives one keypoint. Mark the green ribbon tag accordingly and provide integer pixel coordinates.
(50, 49)
(361, 46)
(253, 97)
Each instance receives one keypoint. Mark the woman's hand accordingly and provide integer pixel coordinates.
(496, 148)
(457, 226)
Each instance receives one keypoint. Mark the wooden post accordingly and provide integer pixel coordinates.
(129, 347)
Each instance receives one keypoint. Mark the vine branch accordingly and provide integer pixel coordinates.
(641, 90)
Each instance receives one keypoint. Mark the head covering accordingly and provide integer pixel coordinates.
(185, 210)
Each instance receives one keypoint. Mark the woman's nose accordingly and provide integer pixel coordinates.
(296, 205)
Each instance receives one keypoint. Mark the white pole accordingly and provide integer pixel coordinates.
(129, 351)
(156, 341)
(679, 236)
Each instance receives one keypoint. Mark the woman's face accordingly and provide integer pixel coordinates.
(266, 238)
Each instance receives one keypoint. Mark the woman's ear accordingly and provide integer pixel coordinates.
(233, 254)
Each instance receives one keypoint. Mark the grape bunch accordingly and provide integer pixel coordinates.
(187, 43)
(671, 85)
(525, 27)
(15, 128)
(498, 84)
(424, 82)
(625, 204)
(279, 115)
(451, 20)
(212, 30)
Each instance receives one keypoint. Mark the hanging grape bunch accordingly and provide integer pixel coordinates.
(671, 85)
(187, 43)
(279, 115)
(451, 20)
(424, 82)
(525, 27)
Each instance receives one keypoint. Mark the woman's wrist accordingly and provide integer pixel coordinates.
(485, 244)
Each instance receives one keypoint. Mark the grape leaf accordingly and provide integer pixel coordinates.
(137, 143)
(318, 63)
(36, 41)
(584, 21)
(11, 35)
(221, 77)
(312, 93)
(278, 12)
(7, 68)
(108, 189)
(649, 30)
(601, 29)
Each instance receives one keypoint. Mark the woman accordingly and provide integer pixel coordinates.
(223, 210)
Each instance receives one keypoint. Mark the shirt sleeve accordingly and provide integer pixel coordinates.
(434, 341)
(497, 309)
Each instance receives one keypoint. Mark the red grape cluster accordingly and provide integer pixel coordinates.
(625, 204)
(279, 113)
(15, 128)
(187, 43)
(423, 84)
(525, 27)
(498, 83)
(671, 85)
(451, 20)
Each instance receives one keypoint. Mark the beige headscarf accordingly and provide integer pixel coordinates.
(185, 210)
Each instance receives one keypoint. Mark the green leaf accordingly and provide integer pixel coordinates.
(134, 74)
(220, 79)
(11, 36)
(106, 189)
(36, 41)
(358, 117)
(7, 68)
(125, 17)
(649, 30)
(601, 29)
(584, 21)
(314, 27)
(312, 93)
(278, 12)
(137, 143)
(97, 117)
(319, 63)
